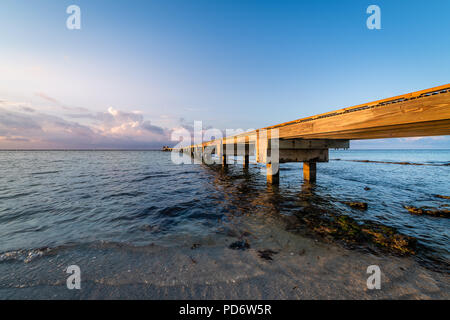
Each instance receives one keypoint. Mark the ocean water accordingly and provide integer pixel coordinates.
(73, 200)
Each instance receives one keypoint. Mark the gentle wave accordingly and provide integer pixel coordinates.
(123, 194)
(23, 255)
(43, 173)
(155, 176)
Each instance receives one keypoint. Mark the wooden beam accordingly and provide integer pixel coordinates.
(273, 173)
(313, 144)
(422, 129)
(206, 154)
(246, 162)
(240, 149)
(417, 107)
(302, 155)
(309, 171)
(267, 147)
(221, 152)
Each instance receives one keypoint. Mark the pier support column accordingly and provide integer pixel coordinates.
(267, 151)
(273, 173)
(222, 155)
(224, 161)
(246, 153)
(246, 161)
(196, 155)
(207, 151)
(309, 171)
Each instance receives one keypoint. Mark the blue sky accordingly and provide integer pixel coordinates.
(138, 69)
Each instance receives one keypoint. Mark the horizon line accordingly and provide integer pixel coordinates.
(118, 149)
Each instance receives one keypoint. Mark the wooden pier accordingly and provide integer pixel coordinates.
(307, 140)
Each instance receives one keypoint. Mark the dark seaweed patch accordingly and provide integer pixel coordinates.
(344, 229)
(240, 245)
(432, 212)
(357, 205)
(266, 254)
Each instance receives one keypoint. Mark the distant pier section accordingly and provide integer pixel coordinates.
(307, 140)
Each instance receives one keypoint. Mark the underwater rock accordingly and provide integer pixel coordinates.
(366, 188)
(195, 246)
(343, 228)
(442, 213)
(389, 238)
(240, 245)
(442, 197)
(357, 205)
(266, 254)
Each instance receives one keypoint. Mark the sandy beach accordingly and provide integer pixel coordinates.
(302, 268)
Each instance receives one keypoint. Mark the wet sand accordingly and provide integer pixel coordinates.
(302, 268)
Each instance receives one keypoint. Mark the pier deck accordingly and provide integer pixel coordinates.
(307, 140)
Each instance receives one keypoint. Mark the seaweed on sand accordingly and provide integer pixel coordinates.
(343, 228)
(433, 212)
(240, 245)
(357, 205)
(266, 254)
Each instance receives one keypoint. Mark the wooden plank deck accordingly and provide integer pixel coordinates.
(421, 113)
(308, 140)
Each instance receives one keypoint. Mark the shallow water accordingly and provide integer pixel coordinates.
(73, 199)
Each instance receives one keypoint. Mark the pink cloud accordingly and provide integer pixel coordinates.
(23, 129)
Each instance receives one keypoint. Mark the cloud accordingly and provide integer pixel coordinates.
(58, 103)
(46, 97)
(183, 123)
(28, 109)
(151, 128)
(115, 122)
(26, 128)
(424, 138)
(15, 139)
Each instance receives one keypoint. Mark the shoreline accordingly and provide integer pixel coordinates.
(301, 268)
